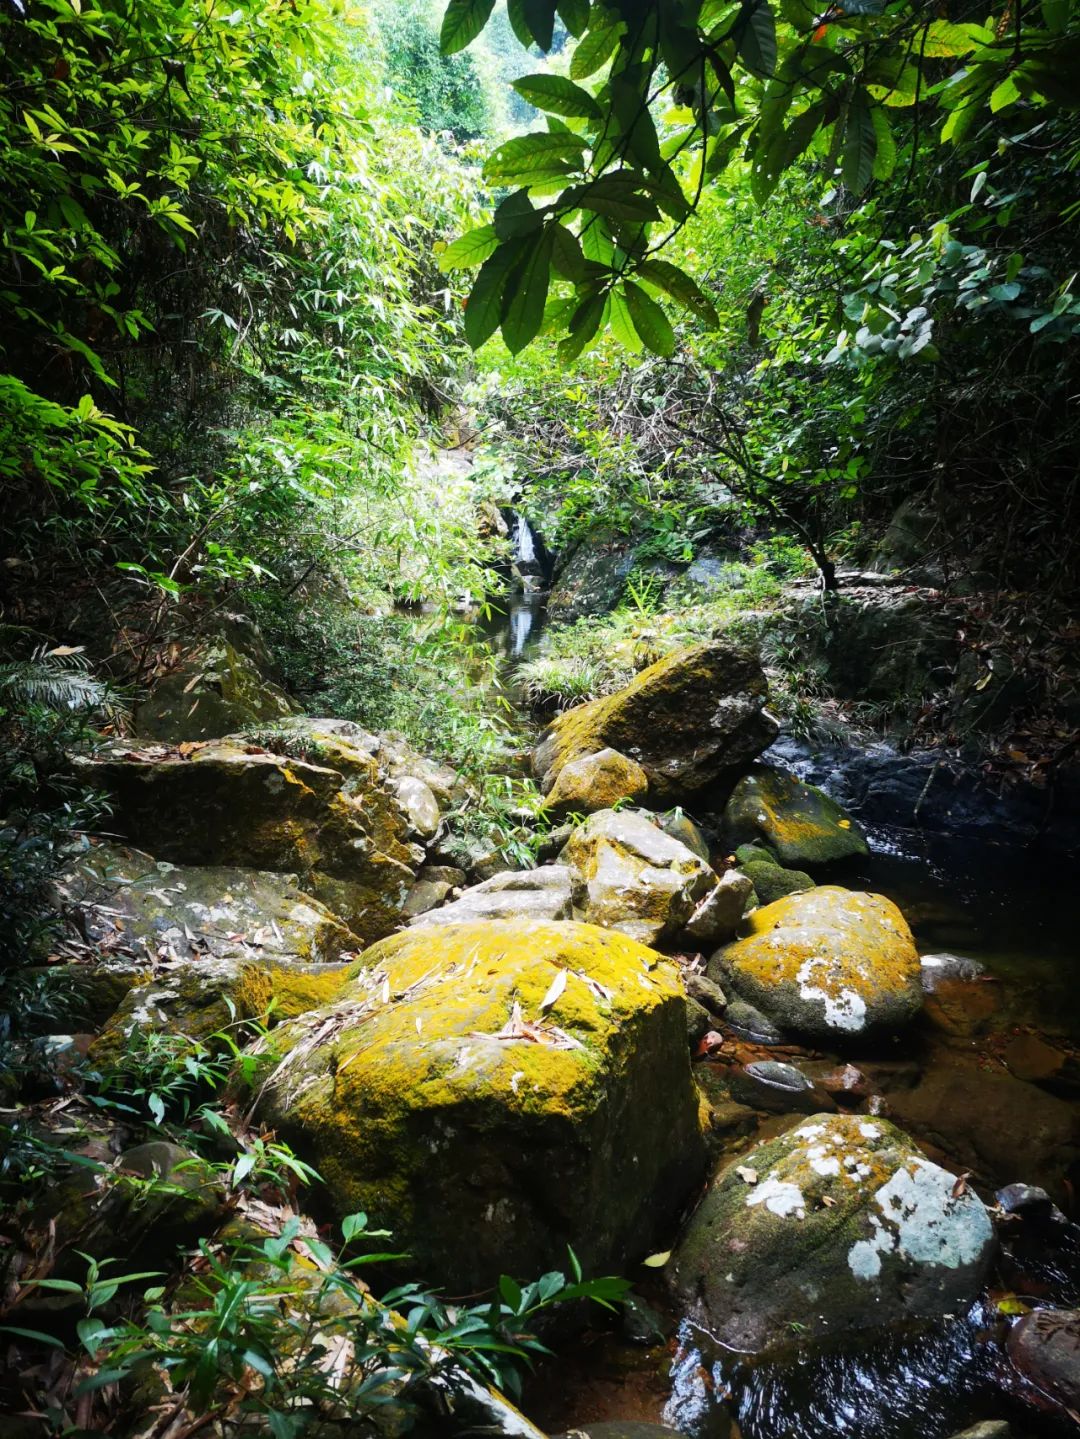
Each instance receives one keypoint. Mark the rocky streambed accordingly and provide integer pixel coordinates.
(812, 1089)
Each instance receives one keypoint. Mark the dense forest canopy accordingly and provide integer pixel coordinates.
(414, 416)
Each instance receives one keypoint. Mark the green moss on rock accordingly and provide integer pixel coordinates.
(799, 823)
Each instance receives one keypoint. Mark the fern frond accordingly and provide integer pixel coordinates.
(59, 680)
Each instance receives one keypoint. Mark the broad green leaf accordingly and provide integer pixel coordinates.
(619, 197)
(649, 320)
(594, 50)
(575, 15)
(1055, 14)
(584, 326)
(944, 40)
(540, 18)
(526, 296)
(557, 96)
(462, 22)
(756, 37)
(1004, 94)
(517, 215)
(469, 250)
(566, 254)
(532, 157)
(678, 284)
(510, 1291)
(860, 145)
(885, 153)
(622, 327)
(483, 308)
(519, 23)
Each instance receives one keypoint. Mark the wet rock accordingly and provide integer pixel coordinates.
(938, 969)
(1029, 1057)
(235, 803)
(592, 579)
(846, 1082)
(826, 964)
(988, 1429)
(628, 875)
(1045, 1347)
(837, 1225)
(778, 1088)
(122, 900)
(524, 1084)
(686, 720)
(993, 1125)
(641, 1323)
(596, 781)
(623, 1429)
(718, 915)
(542, 893)
(799, 823)
(751, 1023)
(214, 691)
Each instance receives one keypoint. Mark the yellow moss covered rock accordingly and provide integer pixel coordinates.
(825, 963)
(799, 823)
(596, 781)
(494, 1091)
(231, 802)
(687, 719)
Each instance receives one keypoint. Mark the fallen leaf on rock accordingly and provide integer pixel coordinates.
(710, 1042)
(657, 1261)
(746, 1174)
(960, 1188)
(558, 984)
(828, 1201)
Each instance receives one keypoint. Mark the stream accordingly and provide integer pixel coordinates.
(1003, 1007)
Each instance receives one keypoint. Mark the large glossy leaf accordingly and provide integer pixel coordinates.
(594, 50)
(556, 95)
(526, 296)
(575, 15)
(622, 327)
(566, 256)
(885, 151)
(483, 309)
(462, 22)
(649, 320)
(469, 250)
(584, 326)
(532, 157)
(619, 197)
(860, 145)
(678, 284)
(757, 37)
(540, 18)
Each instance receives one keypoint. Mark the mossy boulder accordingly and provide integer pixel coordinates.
(215, 690)
(773, 881)
(201, 999)
(799, 823)
(494, 1091)
(837, 1225)
(236, 803)
(627, 874)
(687, 720)
(826, 964)
(125, 902)
(596, 781)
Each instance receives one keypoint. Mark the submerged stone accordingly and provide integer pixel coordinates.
(838, 1224)
(827, 963)
(495, 1091)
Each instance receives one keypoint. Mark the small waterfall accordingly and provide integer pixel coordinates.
(525, 556)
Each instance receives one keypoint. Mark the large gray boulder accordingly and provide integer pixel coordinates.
(837, 1225)
(215, 690)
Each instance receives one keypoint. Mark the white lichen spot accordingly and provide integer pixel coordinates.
(810, 1131)
(869, 1131)
(844, 1008)
(822, 1162)
(778, 1196)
